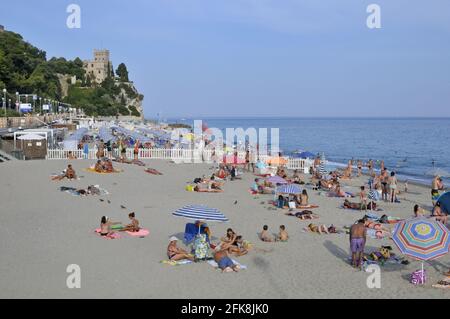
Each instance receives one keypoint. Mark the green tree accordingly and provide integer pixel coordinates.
(122, 72)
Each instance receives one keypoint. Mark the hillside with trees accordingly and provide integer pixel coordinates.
(25, 69)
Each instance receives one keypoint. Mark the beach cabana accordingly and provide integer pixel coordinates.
(34, 146)
(422, 239)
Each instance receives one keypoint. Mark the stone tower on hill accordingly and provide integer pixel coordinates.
(99, 68)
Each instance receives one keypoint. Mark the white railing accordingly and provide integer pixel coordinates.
(177, 155)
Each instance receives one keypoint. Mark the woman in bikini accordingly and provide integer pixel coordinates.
(392, 180)
(105, 227)
(174, 253)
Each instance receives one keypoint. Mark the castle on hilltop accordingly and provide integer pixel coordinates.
(100, 67)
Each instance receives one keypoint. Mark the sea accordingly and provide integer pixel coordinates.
(415, 148)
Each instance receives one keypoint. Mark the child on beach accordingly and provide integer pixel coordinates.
(363, 198)
(282, 235)
(265, 236)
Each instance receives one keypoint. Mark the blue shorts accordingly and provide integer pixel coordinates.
(225, 262)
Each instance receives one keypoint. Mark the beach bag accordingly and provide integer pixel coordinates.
(200, 246)
(419, 277)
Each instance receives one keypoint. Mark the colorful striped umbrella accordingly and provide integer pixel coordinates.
(276, 180)
(422, 239)
(289, 189)
(200, 212)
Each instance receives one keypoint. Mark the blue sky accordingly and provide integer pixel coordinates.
(259, 57)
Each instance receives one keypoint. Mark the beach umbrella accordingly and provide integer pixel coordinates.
(200, 212)
(422, 239)
(373, 195)
(444, 200)
(276, 180)
(289, 189)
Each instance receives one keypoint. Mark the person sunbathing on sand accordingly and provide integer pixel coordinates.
(174, 253)
(350, 205)
(318, 229)
(69, 173)
(108, 166)
(223, 261)
(98, 167)
(134, 225)
(306, 214)
(304, 198)
(265, 236)
(282, 235)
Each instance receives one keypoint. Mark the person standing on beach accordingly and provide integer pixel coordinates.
(370, 166)
(393, 186)
(247, 160)
(436, 186)
(363, 198)
(101, 150)
(384, 182)
(359, 168)
(357, 242)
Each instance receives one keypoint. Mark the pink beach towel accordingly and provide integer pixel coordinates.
(113, 236)
(141, 233)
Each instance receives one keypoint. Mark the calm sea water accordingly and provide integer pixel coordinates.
(408, 146)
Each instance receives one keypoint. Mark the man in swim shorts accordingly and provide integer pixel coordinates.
(223, 261)
(357, 242)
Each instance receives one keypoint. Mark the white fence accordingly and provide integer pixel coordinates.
(177, 155)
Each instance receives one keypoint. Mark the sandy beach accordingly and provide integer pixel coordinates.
(43, 230)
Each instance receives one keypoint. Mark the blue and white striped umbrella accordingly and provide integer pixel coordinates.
(200, 212)
(373, 195)
(289, 189)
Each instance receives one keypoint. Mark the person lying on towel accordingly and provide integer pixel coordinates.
(223, 261)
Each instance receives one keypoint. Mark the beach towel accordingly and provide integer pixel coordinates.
(209, 190)
(74, 192)
(92, 170)
(176, 262)
(113, 236)
(141, 233)
(153, 171)
(215, 265)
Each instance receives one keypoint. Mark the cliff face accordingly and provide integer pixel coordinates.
(130, 98)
